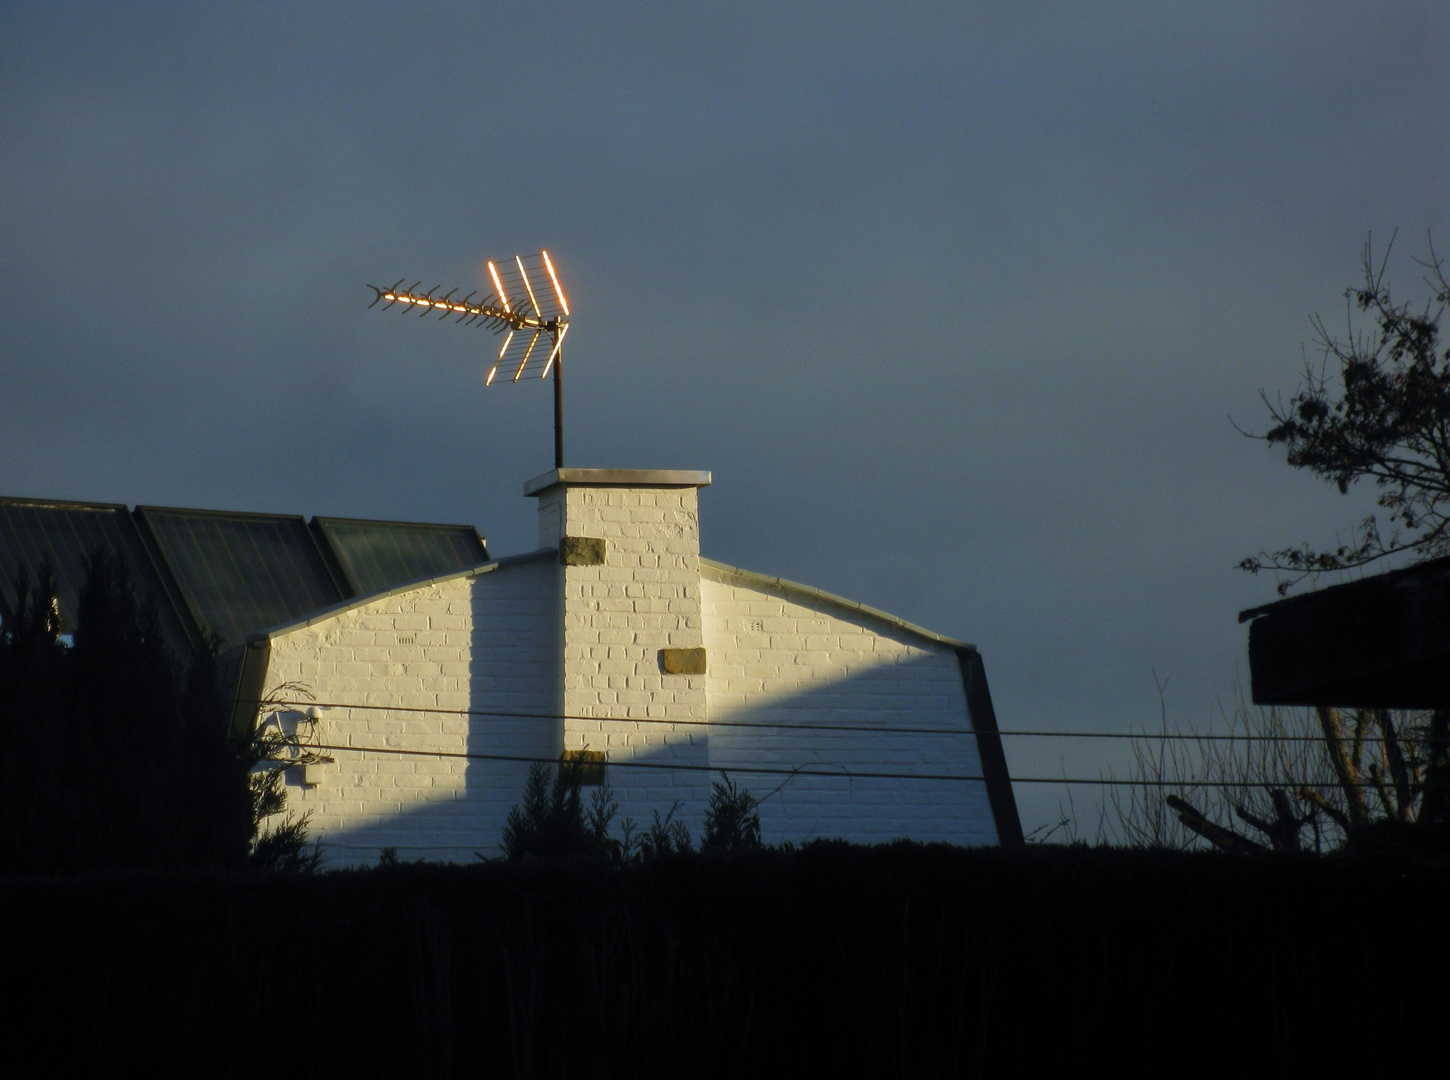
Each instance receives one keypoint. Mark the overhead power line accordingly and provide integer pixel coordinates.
(837, 772)
(787, 725)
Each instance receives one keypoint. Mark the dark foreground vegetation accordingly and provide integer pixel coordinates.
(116, 755)
(896, 961)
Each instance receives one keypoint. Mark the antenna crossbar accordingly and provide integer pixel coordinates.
(516, 307)
(489, 313)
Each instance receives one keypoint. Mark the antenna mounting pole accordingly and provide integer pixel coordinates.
(559, 410)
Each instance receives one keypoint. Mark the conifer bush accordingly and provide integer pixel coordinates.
(112, 754)
(732, 820)
(551, 821)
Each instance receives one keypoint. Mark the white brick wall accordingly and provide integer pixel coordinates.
(583, 643)
(782, 657)
(478, 641)
(616, 619)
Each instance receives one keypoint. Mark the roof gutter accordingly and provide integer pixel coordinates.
(248, 701)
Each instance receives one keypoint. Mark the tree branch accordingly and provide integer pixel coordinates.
(1394, 755)
(1338, 816)
(1217, 835)
(1344, 770)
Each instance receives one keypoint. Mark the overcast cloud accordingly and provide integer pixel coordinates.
(957, 304)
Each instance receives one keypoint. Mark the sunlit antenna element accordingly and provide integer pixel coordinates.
(558, 346)
(549, 264)
(493, 273)
(524, 326)
(529, 288)
(527, 352)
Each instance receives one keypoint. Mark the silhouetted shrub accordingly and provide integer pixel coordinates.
(664, 837)
(112, 755)
(732, 820)
(550, 820)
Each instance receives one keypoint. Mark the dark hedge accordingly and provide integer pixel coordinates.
(894, 961)
(113, 754)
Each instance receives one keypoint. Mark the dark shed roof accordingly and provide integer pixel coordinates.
(232, 573)
(238, 573)
(32, 530)
(1383, 642)
(376, 555)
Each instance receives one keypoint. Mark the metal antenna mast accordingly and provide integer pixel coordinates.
(514, 309)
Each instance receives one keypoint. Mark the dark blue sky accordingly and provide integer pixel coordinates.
(956, 303)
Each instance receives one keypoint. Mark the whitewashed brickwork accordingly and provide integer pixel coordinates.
(784, 661)
(477, 641)
(617, 618)
(795, 679)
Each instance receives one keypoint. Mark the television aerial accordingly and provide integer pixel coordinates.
(533, 321)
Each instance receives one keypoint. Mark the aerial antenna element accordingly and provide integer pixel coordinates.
(527, 306)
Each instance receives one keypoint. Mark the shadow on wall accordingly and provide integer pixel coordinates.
(447, 808)
(921, 703)
(458, 821)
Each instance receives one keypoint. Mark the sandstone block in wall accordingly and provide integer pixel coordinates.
(589, 765)
(581, 551)
(683, 661)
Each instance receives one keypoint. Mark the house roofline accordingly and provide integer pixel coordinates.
(974, 686)
(837, 601)
(1387, 579)
(769, 580)
(333, 610)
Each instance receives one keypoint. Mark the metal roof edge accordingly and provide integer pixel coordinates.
(60, 504)
(1385, 579)
(838, 601)
(695, 478)
(1254, 612)
(147, 508)
(326, 520)
(333, 610)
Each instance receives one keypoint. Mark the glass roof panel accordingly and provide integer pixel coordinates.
(377, 555)
(68, 533)
(241, 573)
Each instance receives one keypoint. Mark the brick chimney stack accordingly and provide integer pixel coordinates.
(633, 639)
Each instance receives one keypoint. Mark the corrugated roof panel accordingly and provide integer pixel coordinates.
(240, 573)
(69, 532)
(377, 555)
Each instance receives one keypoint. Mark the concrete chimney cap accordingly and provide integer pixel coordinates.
(633, 478)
